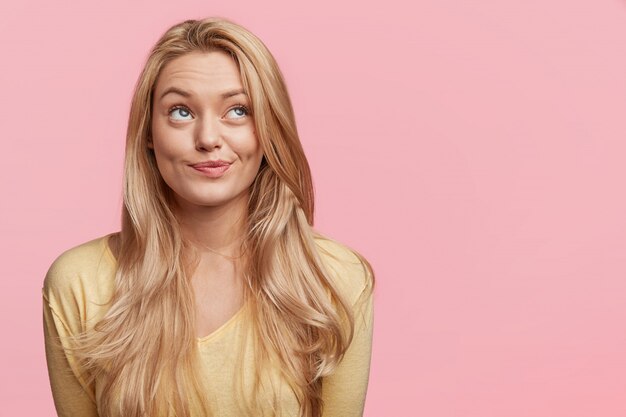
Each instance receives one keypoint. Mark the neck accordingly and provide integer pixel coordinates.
(214, 229)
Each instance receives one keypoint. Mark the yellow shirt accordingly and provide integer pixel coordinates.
(80, 281)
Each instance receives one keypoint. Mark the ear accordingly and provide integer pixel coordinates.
(150, 144)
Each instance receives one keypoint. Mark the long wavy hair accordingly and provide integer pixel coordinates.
(144, 350)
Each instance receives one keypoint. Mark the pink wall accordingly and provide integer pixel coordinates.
(474, 151)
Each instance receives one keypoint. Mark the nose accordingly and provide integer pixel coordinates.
(208, 134)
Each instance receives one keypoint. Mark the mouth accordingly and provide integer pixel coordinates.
(211, 164)
(212, 169)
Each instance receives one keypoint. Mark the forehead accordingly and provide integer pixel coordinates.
(207, 71)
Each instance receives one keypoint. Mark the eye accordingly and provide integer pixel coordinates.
(180, 113)
(237, 112)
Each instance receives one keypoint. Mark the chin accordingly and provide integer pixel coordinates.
(210, 201)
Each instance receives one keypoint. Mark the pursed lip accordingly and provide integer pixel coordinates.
(211, 164)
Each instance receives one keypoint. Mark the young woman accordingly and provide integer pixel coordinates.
(217, 297)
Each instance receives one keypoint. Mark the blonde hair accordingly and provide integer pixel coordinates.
(144, 349)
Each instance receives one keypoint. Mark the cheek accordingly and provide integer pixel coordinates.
(167, 143)
(164, 150)
(249, 151)
(249, 146)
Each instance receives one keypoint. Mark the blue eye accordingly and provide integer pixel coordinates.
(183, 113)
(238, 112)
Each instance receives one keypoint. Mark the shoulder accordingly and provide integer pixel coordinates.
(80, 271)
(351, 272)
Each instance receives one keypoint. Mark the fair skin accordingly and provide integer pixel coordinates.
(200, 114)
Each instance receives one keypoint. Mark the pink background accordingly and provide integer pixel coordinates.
(474, 151)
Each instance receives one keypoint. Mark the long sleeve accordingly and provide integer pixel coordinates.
(67, 289)
(70, 396)
(344, 391)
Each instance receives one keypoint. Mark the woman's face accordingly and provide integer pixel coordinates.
(200, 116)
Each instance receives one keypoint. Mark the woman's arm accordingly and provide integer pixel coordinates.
(344, 391)
(72, 397)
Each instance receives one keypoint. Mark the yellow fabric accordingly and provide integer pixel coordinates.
(80, 281)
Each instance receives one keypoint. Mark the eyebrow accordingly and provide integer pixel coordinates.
(181, 92)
